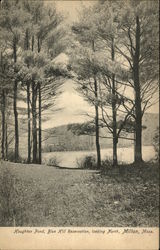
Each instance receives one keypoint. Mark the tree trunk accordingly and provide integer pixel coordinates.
(114, 112)
(97, 126)
(40, 127)
(40, 104)
(97, 118)
(29, 123)
(3, 124)
(16, 122)
(26, 47)
(6, 141)
(38, 44)
(26, 41)
(32, 43)
(138, 111)
(15, 105)
(34, 122)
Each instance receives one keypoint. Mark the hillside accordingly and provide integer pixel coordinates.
(61, 139)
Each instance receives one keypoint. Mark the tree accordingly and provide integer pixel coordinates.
(106, 30)
(87, 128)
(5, 101)
(41, 39)
(111, 77)
(50, 22)
(84, 70)
(27, 47)
(138, 32)
(126, 38)
(11, 21)
(33, 36)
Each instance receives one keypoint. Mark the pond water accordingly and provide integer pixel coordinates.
(69, 158)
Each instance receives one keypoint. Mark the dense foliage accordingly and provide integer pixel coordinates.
(31, 40)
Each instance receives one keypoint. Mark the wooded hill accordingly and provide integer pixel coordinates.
(61, 139)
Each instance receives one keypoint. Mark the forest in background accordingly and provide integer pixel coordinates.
(62, 139)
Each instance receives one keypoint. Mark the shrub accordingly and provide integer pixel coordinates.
(156, 142)
(54, 161)
(87, 162)
(107, 163)
(11, 157)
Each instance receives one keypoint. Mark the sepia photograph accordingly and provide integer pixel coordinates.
(79, 115)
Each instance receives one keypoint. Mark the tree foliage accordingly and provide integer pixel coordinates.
(124, 60)
(32, 39)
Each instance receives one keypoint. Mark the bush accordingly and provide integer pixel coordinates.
(107, 163)
(11, 157)
(54, 161)
(87, 162)
(156, 142)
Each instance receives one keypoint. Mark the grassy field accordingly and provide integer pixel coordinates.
(34, 195)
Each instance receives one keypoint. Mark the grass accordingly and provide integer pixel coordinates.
(34, 195)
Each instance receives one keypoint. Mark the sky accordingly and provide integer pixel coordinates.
(70, 102)
(70, 8)
(72, 105)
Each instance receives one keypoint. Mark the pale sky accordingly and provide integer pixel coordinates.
(70, 8)
(71, 103)
(72, 107)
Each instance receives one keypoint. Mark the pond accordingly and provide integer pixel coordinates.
(125, 155)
